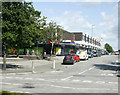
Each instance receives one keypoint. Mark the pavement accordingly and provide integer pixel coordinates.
(23, 66)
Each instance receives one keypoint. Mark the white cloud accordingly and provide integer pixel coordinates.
(109, 24)
(72, 19)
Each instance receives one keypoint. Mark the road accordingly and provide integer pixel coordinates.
(96, 75)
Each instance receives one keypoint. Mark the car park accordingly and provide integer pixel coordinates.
(82, 54)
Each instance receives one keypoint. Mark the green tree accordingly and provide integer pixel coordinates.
(21, 24)
(108, 48)
(52, 32)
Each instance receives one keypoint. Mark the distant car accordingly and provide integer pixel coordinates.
(69, 59)
(116, 52)
(77, 58)
(96, 53)
(82, 55)
(90, 54)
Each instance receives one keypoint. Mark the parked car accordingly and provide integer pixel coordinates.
(82, 55)
(116, 52)
(77, 58)
(96, 53)
(90, 54)
(99, 53)
(69, 59)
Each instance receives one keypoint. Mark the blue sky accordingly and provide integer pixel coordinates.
(80, 16)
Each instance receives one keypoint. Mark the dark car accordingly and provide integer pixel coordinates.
(90, 54)
(69, 59)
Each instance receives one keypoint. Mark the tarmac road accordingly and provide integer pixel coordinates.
(96, 75)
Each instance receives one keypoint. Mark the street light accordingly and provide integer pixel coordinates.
(92, 29)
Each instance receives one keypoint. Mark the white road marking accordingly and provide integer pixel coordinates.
(79, 73)
(18, 77)
(9, 77)
(16, 84)
(100, 82)
(87, 70)
(39, 79)
(113, 82)
(56, 71)
(26, 92)
(29, 78)
(65, 87)
(110, 75)
(88, 81)
(67, 78)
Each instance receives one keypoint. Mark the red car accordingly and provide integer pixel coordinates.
(76, 57)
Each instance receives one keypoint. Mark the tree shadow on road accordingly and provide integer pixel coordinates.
(107, 67)
(11, 66)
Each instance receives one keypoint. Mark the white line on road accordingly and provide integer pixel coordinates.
(16, 84)
(100, 82)
(9, 77)
(88, 81)
(110, 75)
(67, 78)
(39, 79)
(79, 73)
(29, 78)
(87, 70)
(18, 77)
(113, 82)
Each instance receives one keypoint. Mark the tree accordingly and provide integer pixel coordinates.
(108, 48)
(20, 24)
(52, 32)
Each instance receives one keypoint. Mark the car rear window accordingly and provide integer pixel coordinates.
(68, 57)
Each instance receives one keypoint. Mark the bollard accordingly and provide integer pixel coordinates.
(33, 68)
(54, 64)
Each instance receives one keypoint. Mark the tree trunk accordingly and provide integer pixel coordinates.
(17, 52)
(4, 57)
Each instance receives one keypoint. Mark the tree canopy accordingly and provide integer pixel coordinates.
(108, 48)
(23, 26)
(20, 24)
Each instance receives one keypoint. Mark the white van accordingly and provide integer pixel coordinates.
(82, 54)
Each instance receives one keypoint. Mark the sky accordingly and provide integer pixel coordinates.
(76, 16)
